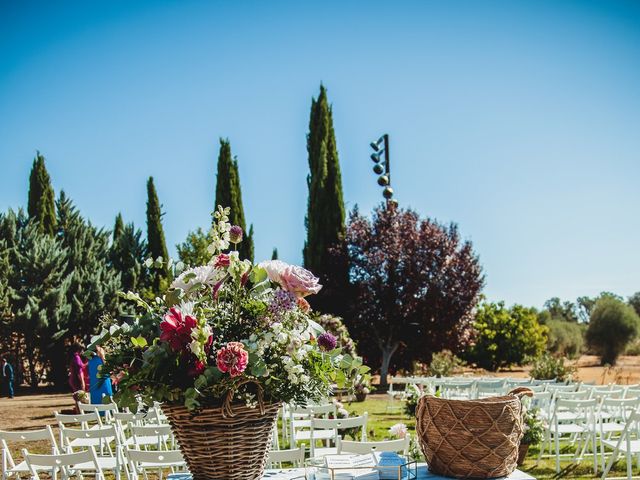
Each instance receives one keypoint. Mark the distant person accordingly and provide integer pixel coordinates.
(100, 384)
(78, 375)
(7, 376)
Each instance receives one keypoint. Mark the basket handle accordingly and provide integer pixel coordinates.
(521, 392)
(227, 409)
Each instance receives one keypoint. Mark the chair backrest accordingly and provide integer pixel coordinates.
(341, 424)
(325, 409)
(127, 417)
(101, 436)
(490, 383)
(159, 435)
(62, 461)
(552, 387)
(617, 409)
(162, 457)
(583, 411)
(23, 436)
(537, 388)
(291, 455)
(82, 418)
(632, 393)
(568, 395)
(399, 446)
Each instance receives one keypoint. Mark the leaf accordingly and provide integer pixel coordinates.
(172, 297)
(258, 275)
(139, 341)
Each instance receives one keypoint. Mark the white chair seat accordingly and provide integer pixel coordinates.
(568, 416)
(612, 427)
(106, 463)
(634, 445)
(317, 435)
(20, 467)
(565, 429)
(321, 452)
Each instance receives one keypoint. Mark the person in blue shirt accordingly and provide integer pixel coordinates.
(7, 376)
(99, 384)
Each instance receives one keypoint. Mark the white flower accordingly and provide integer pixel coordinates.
(204, 275)
(274, 268)
(399, 430)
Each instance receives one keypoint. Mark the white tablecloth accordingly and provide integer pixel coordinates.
(299, 474)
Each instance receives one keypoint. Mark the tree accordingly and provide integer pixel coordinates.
(613, 325)
(274, 255)
(634, 301)
(415, 285)
(193, 251)
(41, 198)
(564, 338)
(128, 253)
(587, 304)
(325, 219)
(561, 310)
(506, 336)
(229, 194)
(157, 246)
(93, 283)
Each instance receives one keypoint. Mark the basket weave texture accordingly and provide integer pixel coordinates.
(471, 438)
(228, 442)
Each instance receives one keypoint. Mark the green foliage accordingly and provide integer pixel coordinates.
(533, 428)
(613, 325)
(556, 308)
(41, 206)
(634, 301)
(155, 236)
(325, 219)
(128, 253)
(334, 325)
(229, 194)
(548, 367)
(505, 336)
(565, 338)
(274, 255)
(193, 251)
(445, 363)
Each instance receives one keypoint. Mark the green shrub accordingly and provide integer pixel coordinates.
(565, 338)
(548, 367)
(633, 348)
(613, 325)
(506, 336)
(445, 363)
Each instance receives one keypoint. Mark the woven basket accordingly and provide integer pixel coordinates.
(228, 442)
(471, 438)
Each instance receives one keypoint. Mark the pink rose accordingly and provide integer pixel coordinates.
(222, 261)
(299, 281)
(232, 358)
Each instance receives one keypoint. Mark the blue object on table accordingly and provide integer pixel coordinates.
(391, 460)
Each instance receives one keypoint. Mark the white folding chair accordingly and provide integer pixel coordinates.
(140, 461)
(158, 436)
(9, 465)
(458, 390)
(66, 463)
(101, 440)
(295, 456)
(399, 446)
(83, 420)
(105, 411)
(336, 426)
(300, 421)
(614, 415)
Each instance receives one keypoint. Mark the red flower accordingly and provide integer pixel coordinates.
(232, 358)
(196, 368)
(222, 261)
(176, 329)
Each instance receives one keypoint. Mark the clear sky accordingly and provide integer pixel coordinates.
(518, 120)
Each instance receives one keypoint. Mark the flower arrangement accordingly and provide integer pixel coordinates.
(533, 428)
(220, 327)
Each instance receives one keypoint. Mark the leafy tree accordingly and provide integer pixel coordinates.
(415, 284)
(193, 251)
(634, 301)
(325, 220)
(587, 304)
(229, 194)
(613, 325)
(565, 338)
(561, 310)
(157, 246)
(274, 255)
(93, 283)
(41, 199)
(506, 336)
(128, 253)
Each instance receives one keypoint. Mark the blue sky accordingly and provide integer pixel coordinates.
(518, 120)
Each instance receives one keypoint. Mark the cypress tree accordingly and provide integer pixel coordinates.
(118, 228)
(274, 255)
(193, 251)
(229, 194)
(128, 253)
(325, 220)
(156, 243)
(41, 206)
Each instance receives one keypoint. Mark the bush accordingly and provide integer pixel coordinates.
(548, 367)
(565, 338)
(445, 363)
(613, 325)
(506, 336)
(633, 349)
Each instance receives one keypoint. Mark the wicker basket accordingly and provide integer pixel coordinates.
(228, 442)
(471, 438)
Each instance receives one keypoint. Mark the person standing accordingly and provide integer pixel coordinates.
(100, 384)
(78, 376)
(7, 375)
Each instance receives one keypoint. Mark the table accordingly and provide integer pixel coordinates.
(299, 474)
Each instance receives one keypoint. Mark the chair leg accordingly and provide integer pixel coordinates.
(557, 450)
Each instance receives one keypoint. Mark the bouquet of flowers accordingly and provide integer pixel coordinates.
(225, 325)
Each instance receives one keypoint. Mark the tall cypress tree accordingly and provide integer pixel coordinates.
(41, 206)
(325, 220)
(155, 236)
(118, 228)
(229, 194)
(274, 255)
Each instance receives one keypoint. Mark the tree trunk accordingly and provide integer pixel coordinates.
(387, 353)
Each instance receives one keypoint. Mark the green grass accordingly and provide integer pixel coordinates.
(380, 419)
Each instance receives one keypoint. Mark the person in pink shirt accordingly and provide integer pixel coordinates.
(78, 374)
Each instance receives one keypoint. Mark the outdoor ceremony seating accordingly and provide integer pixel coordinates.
(140, 461)
(628, 443)
(335, 426)
(67, 464)
(399, 446)
(294, 456)
(9, 466)
(157, 436)
(104, 410)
